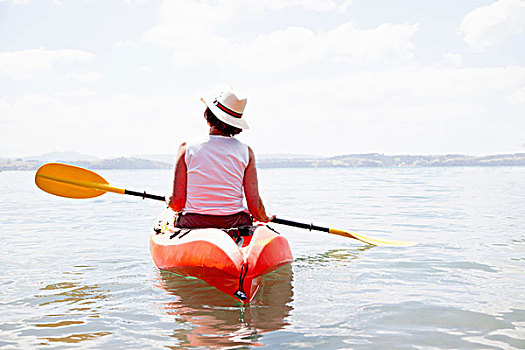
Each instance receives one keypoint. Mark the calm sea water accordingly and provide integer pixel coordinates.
(78, 274)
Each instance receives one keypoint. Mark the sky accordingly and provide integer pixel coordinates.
(322, 77)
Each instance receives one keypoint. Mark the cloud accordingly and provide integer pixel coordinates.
(410, 109)
(404, 87)
(494, 24)
(518, 97)
(86, 77)
(385, 42)
(195, 33)
(25, 2)
(25, 64)
(79, 93)
(17, 2)
(452, 59)
(310, 5)
(133, 3)
(296, 46)
(38, 123)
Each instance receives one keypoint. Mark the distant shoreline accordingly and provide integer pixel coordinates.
(374, 160)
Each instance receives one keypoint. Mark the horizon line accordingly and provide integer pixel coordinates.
(284, 154)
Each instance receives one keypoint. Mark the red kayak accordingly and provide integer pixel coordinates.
(233, 261)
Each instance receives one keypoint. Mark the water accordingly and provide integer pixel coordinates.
(78, 274)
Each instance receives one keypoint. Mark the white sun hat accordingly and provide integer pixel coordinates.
(228, 107)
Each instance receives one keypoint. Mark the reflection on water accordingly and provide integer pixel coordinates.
(77, 302)
(71, 293)
(75, 338)
(205, 317)
(332, 257)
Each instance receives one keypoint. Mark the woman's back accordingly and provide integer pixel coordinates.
(215, 175)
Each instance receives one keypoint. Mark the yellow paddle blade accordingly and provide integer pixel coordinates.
(372, 241)
(72, 182)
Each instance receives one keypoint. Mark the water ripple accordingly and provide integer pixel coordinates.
(78, 274)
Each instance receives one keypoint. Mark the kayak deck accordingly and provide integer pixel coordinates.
(213, 256)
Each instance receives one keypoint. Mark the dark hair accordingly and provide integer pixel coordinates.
(220, 125)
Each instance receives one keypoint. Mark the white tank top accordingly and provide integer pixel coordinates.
(215, 172)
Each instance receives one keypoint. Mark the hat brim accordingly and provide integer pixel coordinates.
(226, 118)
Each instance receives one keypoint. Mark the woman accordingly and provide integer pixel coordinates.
(210, 176)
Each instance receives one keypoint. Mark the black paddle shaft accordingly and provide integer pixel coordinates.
(145, 195)
(300, 225)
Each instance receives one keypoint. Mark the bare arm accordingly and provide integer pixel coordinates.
(251, 191)
(178, 198)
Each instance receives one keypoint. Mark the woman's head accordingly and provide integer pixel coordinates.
(228, 107)
(220, 125)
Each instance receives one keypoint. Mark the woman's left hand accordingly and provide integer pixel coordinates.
(265, 218)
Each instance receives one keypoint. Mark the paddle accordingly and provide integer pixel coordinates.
(368, 240)
(74, 182)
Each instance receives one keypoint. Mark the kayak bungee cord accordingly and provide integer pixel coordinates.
(240, 292)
